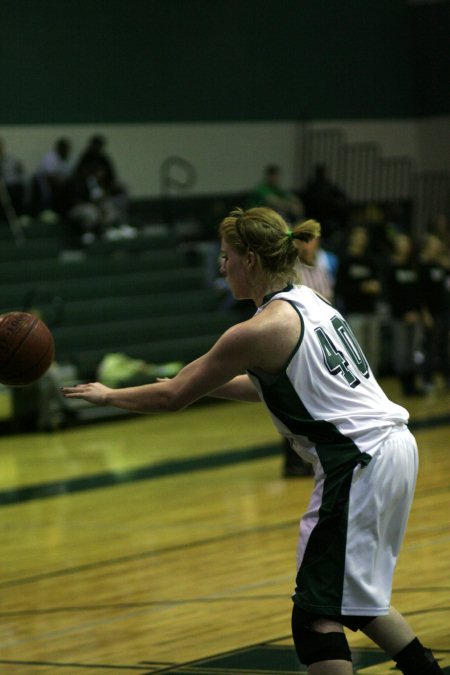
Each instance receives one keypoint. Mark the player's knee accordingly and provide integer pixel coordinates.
(313, 647)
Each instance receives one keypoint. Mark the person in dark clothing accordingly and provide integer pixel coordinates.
(98, 202)
(434, 274)
(12, 184)
(95, 160)
(403, 293)
(51, 182)
(325, 201)
(357, 291)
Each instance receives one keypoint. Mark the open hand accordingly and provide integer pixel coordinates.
(94, 392)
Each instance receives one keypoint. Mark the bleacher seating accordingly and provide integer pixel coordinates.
(101, 285)
(144, 297)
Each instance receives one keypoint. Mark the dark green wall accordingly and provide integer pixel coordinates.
(106, 61)
(431, 31)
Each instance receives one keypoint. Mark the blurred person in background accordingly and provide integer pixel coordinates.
(326, 201)
(99, 202)
(434, 277)
(269, 192)
(357, 290)
(12, 177)
(405, 306)
(52, 179)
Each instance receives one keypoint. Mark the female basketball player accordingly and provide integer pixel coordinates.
(300, 357)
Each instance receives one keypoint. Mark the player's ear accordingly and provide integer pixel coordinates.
(251, 259)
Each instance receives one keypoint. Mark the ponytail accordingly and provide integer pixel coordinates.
(265, 232)
(306, 230)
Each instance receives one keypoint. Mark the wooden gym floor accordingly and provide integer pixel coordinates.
(166, 544)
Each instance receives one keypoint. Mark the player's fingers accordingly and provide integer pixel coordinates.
(78, 389)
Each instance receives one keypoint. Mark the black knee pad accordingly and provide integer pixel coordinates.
(312, 646)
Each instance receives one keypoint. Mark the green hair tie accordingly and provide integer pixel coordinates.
(290, 234)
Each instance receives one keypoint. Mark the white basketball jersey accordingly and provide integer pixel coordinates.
(326, 400)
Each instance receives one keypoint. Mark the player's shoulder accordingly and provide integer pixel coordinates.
(275, 319)
(265, 341)
(278, 310)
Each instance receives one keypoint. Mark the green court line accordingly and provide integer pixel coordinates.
(169, 468)
(275, 659)
(263, 659)
(151, 472)
(268, 658)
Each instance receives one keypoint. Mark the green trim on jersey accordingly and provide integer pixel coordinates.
(320, 579)
(269, 296)
(333, 448)
(321, 576)
(314, 403)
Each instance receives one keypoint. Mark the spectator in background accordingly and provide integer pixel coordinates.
(98, 200)
(357, 289)
(326, 202)
(434, 274)
(12, 176)
(269, 192)
(317, 268)
(52, 179)
(95, 157)
(440, 226)
(403, 294)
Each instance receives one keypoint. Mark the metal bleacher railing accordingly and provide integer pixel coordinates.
(368, 177)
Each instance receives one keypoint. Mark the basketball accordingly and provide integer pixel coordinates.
(26, 348)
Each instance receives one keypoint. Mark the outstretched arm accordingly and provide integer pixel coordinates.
(219, 373)
(263, 342)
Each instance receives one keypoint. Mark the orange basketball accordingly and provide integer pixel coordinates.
(26, 348)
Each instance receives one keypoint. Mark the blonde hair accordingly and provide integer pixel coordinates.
(266, 233)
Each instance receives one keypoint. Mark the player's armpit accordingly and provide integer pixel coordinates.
(239, 388)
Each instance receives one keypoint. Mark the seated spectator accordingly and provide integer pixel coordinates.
(12, 176)
(270, 193)
(52, 179)
(98, 200)
(95, 161)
